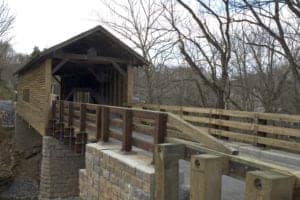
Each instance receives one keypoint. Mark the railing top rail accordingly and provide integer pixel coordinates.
(90, 105)
(232, 113)
(160, 123)
(238, 166)
(279, 131)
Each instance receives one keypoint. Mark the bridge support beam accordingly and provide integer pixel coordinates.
(59, 171)
(206, 176)
(267, 185)
(167, 170)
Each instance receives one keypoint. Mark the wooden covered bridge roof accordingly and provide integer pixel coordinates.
(105, 48)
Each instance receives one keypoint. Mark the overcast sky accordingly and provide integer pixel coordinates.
(44, 23)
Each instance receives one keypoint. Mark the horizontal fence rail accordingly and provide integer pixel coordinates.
(207, 168)
(171, 137)
(280, 131)
(132, 127)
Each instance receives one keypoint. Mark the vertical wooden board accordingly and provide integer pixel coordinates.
(82, 117)
(54, 104)
(62, 88)
(160, 128)
(120, 91)
(105, 124)
(71, 113)
(127, 130)
(124, 93)
(261, 134)
(61, 111)
(115, 88)
(108, 88)
(111, 82)
(130, 84)
(107, 92)
(98, 123)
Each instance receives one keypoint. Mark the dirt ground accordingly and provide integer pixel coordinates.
(7, 161)
(19, 171)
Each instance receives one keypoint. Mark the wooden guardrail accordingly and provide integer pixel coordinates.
(263, 180)
(101, 122)
(133, 127)
(150, 130)
(280, 131)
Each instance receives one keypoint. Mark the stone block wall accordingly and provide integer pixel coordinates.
(112, 175)
(59, 171)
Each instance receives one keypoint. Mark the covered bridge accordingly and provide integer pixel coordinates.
(92, 67)
(95, 67)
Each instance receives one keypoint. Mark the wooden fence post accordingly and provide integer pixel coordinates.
(267, 185)
(52, 121)
(160, 128)
(98, 123)
(54, 109)
(80, 142)
(167, 170)
(58, 134)
(127, 130)
(206, 177)
(82, 117)
(61, 111)
(105, 124)
(259, 133)
(71, 113)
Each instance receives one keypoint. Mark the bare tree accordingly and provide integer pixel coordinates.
(241, 83)
(243, 52)
(273, 17)
(6, 20)
(138, 21)
(262, 73)
(294, 6)
(206, 49)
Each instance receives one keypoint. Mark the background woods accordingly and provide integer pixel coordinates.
(227, 54)
(240, 55)
(10, 61)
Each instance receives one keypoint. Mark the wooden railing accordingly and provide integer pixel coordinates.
(280, 131)
(101, 122)
(263, 180)
(78, 123)
(171, 138)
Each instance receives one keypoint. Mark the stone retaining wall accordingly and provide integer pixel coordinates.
(26, 138)
(110, 174)
(59, 171)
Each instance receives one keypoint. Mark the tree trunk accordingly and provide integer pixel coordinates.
(297, 93)
(220, 100)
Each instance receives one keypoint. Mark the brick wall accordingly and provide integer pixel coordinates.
(59, 171)
(38, 81)
(110, 174)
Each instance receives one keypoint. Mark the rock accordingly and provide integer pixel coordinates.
(21, 189)
(6, 177)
